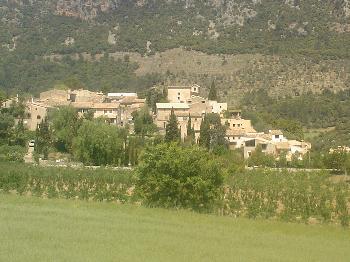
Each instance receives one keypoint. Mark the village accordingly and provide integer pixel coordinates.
(184, 101)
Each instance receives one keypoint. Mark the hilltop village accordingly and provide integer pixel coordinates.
(184, 101)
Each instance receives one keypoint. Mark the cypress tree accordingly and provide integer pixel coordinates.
(212, 92)
(43, 138)
(172, 131)
(204, 133)
(190, 131)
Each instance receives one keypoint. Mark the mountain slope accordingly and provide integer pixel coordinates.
(305, 43)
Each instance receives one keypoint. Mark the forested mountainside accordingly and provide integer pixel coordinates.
(288, 47)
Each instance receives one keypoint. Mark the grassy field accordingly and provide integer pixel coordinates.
(33, 229)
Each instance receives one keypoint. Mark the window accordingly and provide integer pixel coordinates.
(263, 146)
(277, 136)
(178, 94)
(178, 98)
(195, 89)
(164, 125)
(38, 117)
(234, 125)
(105, 111)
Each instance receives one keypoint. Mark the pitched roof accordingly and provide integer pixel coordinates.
(105, 105)
(275, 132)
(283, 145)
(172, 105)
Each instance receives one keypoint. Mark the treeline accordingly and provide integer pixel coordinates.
(34, 75)
(93, 141)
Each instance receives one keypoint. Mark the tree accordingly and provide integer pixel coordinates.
(212, 132)
(143, 122)
(172, 131)
(155, 95)
(212, 92)
(191, 135)
(173, 176)
(43, 138)
(98, 143)
(338, 160)
(65, 122)
(7, 123)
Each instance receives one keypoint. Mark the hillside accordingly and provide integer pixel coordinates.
(287, 47)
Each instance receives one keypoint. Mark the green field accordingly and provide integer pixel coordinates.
(33, 229)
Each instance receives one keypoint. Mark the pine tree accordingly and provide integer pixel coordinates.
(191, 137)
(172, 131)
(212, 92)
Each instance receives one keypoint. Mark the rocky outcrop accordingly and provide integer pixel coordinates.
(85, 10)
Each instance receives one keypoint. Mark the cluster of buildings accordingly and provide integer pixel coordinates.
(117, 109)
(186, 102)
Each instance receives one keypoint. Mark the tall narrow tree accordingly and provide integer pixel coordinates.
(191, 137)
(212, 92)
(172, 131)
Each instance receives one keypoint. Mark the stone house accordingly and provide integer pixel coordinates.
(35, 113)
(181, 94)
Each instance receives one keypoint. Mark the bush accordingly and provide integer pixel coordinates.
(12, 153)
(173, 176)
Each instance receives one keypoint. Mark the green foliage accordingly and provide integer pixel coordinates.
(339, 160)
(65, 124)
(98, 143)
(155, 95)
(172, 176)
(288, 196)
(212, 92)
(190, 134)
(259, 158)
(98, 185)
(212, 132)
(7, 122)
(39, 74)
(172, 131)
(43, 138)
(143, 122)
(12, 153)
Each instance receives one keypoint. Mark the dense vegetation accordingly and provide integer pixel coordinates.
(191, 183)
(297, 114)
(13, 135)
(31, 30)
(85, 184)
(39, 74)
(179, 177)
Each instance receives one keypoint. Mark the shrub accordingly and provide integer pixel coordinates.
(173, 176)
(85, 184)
(12, 153)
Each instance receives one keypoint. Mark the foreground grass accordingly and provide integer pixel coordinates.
(33, 229)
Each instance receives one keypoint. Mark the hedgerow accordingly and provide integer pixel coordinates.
(84, 184)
(287, 196)
(304, 197)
